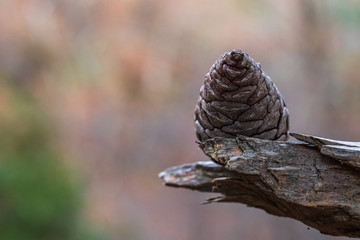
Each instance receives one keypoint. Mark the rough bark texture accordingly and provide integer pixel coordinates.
(345, 152)
(238, 98)
(316, 182)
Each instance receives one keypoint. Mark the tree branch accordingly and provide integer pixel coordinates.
(316, 182)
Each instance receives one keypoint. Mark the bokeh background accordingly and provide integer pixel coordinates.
(97, 97)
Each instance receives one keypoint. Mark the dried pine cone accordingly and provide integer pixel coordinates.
(238, 98)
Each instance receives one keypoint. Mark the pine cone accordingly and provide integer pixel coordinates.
(238, 98)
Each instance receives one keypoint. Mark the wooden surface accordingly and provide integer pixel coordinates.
(316, 181)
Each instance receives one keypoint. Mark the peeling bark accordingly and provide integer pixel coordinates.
(316, 181)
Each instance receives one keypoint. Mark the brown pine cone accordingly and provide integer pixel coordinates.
(238, 98)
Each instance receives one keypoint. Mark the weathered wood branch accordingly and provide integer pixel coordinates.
(316, 182)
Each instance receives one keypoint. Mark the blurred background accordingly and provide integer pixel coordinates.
(97, 97)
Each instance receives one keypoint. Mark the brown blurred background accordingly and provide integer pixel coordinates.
(109, 88)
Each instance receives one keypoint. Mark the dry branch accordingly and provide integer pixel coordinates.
(316, 182)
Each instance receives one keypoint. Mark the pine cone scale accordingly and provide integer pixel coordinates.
(243, 128)
(241, 95)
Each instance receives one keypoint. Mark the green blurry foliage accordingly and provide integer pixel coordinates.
(348, 13)
(40, 198)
